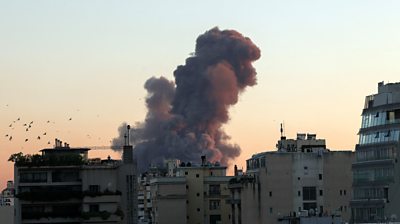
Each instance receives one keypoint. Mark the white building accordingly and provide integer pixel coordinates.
(7, 204)
(7, 195)
(301, 177)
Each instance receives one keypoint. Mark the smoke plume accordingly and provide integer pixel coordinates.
(185, 117)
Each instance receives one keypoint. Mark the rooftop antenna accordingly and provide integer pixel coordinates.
(283, 136)
(129, 128)
(125, 138)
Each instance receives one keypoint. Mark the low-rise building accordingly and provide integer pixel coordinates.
(302, 177)
(7, 195)
(7, 204)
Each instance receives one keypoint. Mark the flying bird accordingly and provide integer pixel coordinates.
(44, 133)
(70, 118)
(26, 140)
(48, 121)
(29, 126)
(10, 125)
(6, 135)
(27, 129)
(24, 124)
(38, 137)
(48, 142)
(18, 119)
(10, 138)
(31, 122)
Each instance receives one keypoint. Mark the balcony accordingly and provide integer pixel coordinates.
(373, 182)
(49, 196)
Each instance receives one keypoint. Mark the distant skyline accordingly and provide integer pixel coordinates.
(88, 61)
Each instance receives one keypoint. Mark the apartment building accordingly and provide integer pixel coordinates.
(62, 185)
(7, 204)
(195, 194)
(376, 171)
(301, 178)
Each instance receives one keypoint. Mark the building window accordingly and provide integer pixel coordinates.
(309, 193)
(306, 168)
(320, 192)
(298, 178)
(186, 173)
(344, 192)
(94, 208)
(270, 193)
(36, 177)
(197, 175)
(198, 209)
(215, 219)
(214, 189)
(270, 210)
(94, 188)
(320, 176)
(187, 186)
(198, 194)
(299, 193)
(340, 192)
(215, 204)
(321, 209)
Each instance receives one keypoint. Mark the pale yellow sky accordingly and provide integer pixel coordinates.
(88, 61)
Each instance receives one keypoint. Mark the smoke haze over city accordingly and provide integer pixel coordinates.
(185, 117)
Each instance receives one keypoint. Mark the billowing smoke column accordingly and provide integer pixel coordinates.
(185, 118)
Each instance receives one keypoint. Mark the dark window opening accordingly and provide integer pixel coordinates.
(94, 188)
(309, 193)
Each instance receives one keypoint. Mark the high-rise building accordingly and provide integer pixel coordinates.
(301, 178)
(191, 193)
(62, 185)
(376, 184)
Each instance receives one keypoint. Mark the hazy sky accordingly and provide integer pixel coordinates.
(88, 60)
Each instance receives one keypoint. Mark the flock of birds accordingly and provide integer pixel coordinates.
(27, 127)
(31, 135)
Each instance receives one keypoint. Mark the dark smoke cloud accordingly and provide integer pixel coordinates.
(185, 118)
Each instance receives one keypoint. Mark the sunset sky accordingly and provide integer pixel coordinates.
(88, 61)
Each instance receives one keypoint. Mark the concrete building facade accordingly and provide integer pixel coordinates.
(62, 185)
(198, 192)
(301, 178)
(376, 185)
(7, 204)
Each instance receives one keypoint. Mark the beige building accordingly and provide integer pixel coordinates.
(197, 194)
(301, 178)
